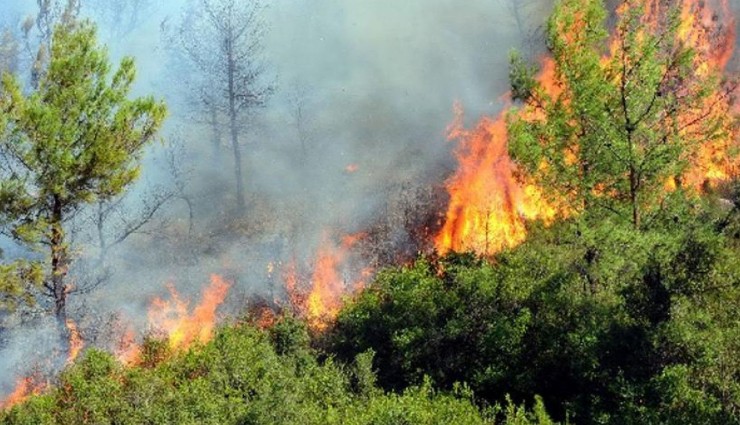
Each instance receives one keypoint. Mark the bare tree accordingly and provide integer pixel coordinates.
(9, 52)
(38, 30)
(298, 100)
(121, 17)
(529, 27)
(223, 41)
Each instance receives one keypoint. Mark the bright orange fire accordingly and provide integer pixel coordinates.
(325, 298)
(25, 387)
(33, 384)
(321, 303)
(128, 351)
(181, 327)
(488, 207)
(75, 341)
(709, 28)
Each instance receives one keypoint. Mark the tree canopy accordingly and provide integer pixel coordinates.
(621, 122)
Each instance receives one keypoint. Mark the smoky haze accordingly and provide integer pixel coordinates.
(364, 92)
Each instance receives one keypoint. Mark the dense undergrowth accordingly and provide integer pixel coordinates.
(608, 324)
(247, 376)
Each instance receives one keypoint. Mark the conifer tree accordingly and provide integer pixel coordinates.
(74, 140)
(620, 118)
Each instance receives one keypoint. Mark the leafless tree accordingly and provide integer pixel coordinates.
(223, 41)
(38, 30)
(9, 51)
(121, 17)
(528, 26)
(109, 224)
(298, 100)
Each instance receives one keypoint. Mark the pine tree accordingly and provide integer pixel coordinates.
(621, 118)
(74, 140)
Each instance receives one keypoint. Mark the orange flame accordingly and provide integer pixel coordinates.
(325, 298)
(128, 351)
(711, 34)
(183, 328)
(707, 27)
(75, 341)
(33, 385)
(322, 302)
(25, 387)
(488, 206)
(171, 317)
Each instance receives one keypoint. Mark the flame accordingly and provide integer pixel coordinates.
(24, 388)
(75, 341)
(325, 298)
(128, 350)
(710, 32)
(291, 280)
(351, 168)
(321, 302)
(183, 328)
(33, 384)
(708, 29)
(488, 206)
(264, 317)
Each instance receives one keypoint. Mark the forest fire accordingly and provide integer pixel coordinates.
(172, 320)
(708, 28)
(321, 302)
(489, 204)
(25, 387)
(34, 384)
(127, 350)
(710, 31)
(181, 327)
(76, 344)
(324, 300)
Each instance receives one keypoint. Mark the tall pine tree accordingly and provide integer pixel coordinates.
(619, 120)
(74, 140)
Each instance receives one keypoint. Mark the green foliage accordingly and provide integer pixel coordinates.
(618, 127)
(78, 136)
(289, 336)
(519, 415)
(522, 77)
(609, 324)
(74, 140)
(238, 378)
(17, 281)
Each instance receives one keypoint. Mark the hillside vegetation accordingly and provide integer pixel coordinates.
(619, 306)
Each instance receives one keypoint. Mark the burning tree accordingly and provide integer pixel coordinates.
(621, 131)
(616, 123)
(73, 141)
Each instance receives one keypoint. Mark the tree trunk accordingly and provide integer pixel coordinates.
(634, 199)
(238, 175)
(216, 134)
(59, 263)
